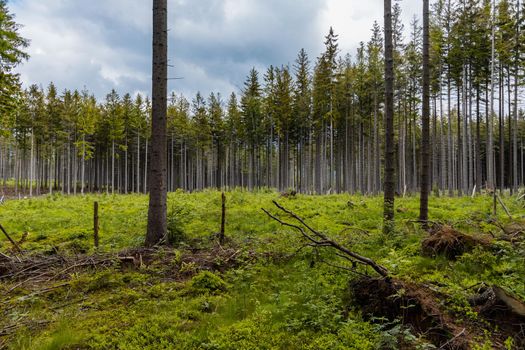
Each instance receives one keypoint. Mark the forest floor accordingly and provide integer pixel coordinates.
(258, 290)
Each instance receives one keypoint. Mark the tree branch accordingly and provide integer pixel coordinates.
(325, 241)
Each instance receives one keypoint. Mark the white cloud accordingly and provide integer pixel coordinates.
(105, 44)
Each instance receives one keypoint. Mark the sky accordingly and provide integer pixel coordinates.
(106, 44)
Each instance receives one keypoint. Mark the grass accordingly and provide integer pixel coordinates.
(272, 302)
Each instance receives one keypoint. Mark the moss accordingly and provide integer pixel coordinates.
(272, 302)
(207, 282)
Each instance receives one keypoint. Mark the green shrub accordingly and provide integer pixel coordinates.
(207, 282)
(175, 225)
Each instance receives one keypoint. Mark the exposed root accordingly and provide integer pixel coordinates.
(445, 240)
(416, 306)
(502, 309)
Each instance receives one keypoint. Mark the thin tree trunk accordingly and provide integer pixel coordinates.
(425, 134)
(388, 210)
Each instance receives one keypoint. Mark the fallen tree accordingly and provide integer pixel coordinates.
(416, 305)
(318, 239)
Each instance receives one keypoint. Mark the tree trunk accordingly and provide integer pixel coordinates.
(157, 179)
(388, 213)
(425, 133)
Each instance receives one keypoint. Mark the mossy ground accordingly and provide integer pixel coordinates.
(275, 298)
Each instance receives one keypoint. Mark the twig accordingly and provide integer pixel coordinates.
(451, 340)
(344, 268)
(45, 290)
(6, 256)
(300, 229)
(322, 240)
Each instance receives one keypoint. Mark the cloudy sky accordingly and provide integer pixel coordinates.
(105, 44)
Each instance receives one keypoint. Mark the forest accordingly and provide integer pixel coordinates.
(348, 200)
(314, 127)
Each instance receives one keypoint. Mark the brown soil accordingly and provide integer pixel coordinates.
(416, 306)
(504, 311)
(445, 240)
(422, 309)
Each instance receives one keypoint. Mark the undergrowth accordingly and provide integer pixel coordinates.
(285, 298)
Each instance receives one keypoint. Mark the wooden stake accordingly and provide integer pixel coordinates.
(504, 207)
(17, 247)
(495, 202)
(95, 224)
(223, 218)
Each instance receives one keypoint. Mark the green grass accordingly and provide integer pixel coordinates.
(269, 303)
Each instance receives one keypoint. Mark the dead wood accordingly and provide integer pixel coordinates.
(504, 310)
(15, 245)
(416, 306)
(319, 239)
(445, 240)
(504, 207)
(223, 218)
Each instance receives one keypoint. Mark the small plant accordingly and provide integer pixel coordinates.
(207, 282)
(175, 224)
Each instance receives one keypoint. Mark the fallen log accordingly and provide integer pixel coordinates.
(503, 309)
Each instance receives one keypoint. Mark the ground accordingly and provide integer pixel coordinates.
(258, 290)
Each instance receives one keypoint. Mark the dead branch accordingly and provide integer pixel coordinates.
(5, 256)
(344, 268)
(17, 247)
(452, 339)
(504, 207)
(321, 240)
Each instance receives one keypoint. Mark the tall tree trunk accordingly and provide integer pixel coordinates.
(501, 134)
(157, 179)
(490, 113)
(514, 124)
(388, 210)
(425, 132)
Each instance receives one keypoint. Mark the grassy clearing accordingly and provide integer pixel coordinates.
(279, 300)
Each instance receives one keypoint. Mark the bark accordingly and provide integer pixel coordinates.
(157, 175)
(389, 122)
(425, 135)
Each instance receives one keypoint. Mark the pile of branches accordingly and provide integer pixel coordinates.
(36, 269)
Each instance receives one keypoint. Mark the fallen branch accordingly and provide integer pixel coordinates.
(17, 247)
(451, 340)
(504, 207)
(321, 240)
(6, 256)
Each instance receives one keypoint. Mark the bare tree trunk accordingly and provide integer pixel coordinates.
(31, 171)
(501, 134)
(514, 123)
(388, 210)
(490, 113)
(425, 133)
(157, 180)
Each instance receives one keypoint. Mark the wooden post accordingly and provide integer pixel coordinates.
(17, 247)
(495, 202)
(95, 224)
(223, 218)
